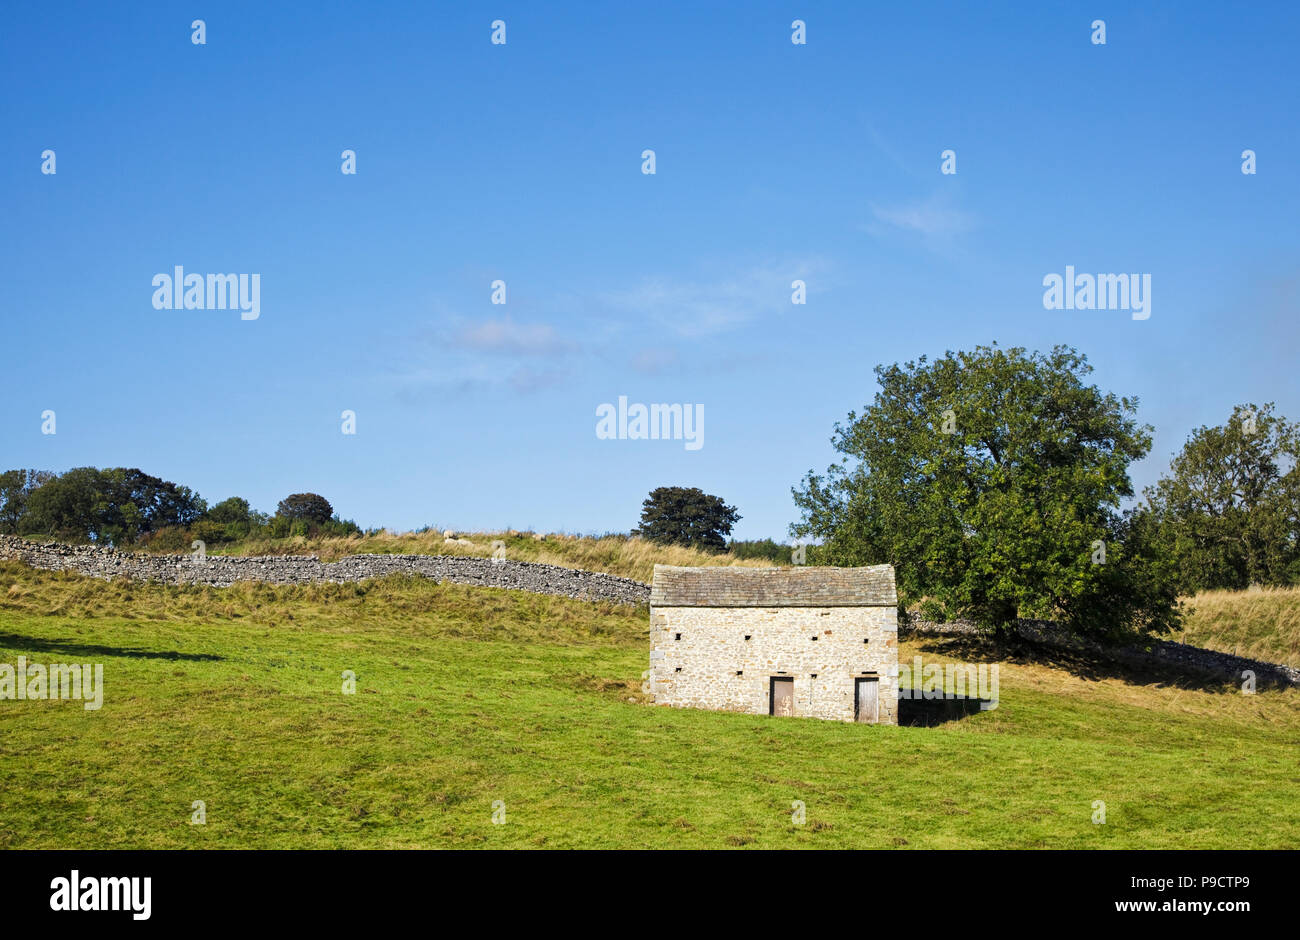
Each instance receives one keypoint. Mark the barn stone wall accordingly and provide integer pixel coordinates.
(712, 665)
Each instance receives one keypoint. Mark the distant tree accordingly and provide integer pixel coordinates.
(992, 480)
(159, 502)
(687, 516)
(761, 548)
(13, 499)
(1229, 511)
(227, 521)
(233, 510)
(70, 506)
(15, 488)
(114, 505)
(306, 506)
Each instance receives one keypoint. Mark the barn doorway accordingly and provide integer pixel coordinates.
(781, 698)
(866, 700)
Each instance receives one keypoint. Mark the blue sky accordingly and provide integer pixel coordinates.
(522, 162)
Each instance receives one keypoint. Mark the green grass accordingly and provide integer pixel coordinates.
(466, 696)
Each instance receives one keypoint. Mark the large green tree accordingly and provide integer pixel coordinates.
(311, 507)
(688, 516)
(115, 505)
(992, 480)
(15, 488)
(234, 510)
(1228, 513)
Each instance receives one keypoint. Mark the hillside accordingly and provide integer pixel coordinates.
(1263, 623)
(466, 696)
(621, 555)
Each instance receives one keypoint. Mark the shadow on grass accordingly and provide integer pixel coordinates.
(926, 713)
(35, 644)
(1083, 664)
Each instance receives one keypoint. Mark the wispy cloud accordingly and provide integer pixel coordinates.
(645, 327)
(706, 307)
(656, 360)
(471, 380)
(506, 337)
(931, 218)
(478, 357)
(888, 149)
(525, 380)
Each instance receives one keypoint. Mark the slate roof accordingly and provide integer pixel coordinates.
(773, 587)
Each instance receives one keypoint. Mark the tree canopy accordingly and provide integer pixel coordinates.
(1228, 513)
(15, 488)
(687, 516)
(992, 480)
(234, 510)
(115, 505)
(310, 507)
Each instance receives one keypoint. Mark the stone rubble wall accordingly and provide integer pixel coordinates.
(1160, 653)
(224, 570)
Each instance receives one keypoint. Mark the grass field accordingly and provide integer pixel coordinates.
(466, 696)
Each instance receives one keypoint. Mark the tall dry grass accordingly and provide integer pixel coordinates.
(1262, 623)
(619, 555)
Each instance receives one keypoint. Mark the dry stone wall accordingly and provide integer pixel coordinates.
(1160, 653)
(224, 570)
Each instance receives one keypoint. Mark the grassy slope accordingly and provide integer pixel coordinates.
(466, 696)
(1264, 624)
(627, 557)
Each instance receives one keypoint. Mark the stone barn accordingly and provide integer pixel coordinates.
(813, 642)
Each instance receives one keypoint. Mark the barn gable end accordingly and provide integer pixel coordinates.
(813, 642)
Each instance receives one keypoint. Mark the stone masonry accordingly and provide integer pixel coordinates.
(224, 570)
(719, 637)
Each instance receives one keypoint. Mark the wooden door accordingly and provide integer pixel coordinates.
(866, 701)
(782, 702)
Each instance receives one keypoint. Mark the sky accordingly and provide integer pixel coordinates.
(523, 162)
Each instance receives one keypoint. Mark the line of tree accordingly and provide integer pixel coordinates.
(125, 507)
(1228, 513)
(993, 481)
